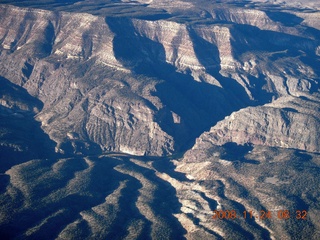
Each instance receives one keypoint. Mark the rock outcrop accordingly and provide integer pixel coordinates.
(287, 122)
(152, 86)
(140, 119)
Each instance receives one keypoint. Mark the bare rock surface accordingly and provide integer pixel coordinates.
(139, 119)
(80, 66)
(288, 122)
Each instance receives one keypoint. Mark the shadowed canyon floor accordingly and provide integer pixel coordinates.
(140, 119)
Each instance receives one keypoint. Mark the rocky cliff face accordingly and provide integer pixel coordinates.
(80, 65)
(87, 88)
(21, 137)
(287, 122)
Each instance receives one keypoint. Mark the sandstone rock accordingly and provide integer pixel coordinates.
(287, 122)
(124, 88)
(175, 79)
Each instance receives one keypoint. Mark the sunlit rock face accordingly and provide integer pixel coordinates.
(288, 123)
(47, 49)
(138, 119)
(80, 66)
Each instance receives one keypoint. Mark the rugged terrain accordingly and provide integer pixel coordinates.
(127, 120)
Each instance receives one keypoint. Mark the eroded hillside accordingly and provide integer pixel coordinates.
(151, 87)
(136, 120)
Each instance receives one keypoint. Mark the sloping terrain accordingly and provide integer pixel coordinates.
(245, 178)
(137, 120)
(287, 122)
(162, 83)
(125, 197)
(21, 137)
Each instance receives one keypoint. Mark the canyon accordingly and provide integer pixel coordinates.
(138, 119)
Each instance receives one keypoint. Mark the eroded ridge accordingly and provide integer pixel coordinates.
(96, 101)
(161, 82)
(126, 197)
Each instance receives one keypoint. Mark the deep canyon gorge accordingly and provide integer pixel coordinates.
(139, 119)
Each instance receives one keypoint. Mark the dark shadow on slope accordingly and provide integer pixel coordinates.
(236, 153)
(272, 45)
(240, 208)
(46, 46)
(4, 181)
(21, 136)
(303, 155)
(42, 46)
(104, 180)
(164, 165)
(47, 3)
(284, 18)
(258, 92)
(271, 41)
(164, 204)
(212, 203)
(252, 222)
(314, 62)
(22, 220)
(27, 69)
(129, 212)
(155, 17)
(196, 222)
(288, 109)
(199, 105)
(209, 56)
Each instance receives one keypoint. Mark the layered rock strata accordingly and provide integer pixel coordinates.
(175, 79)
